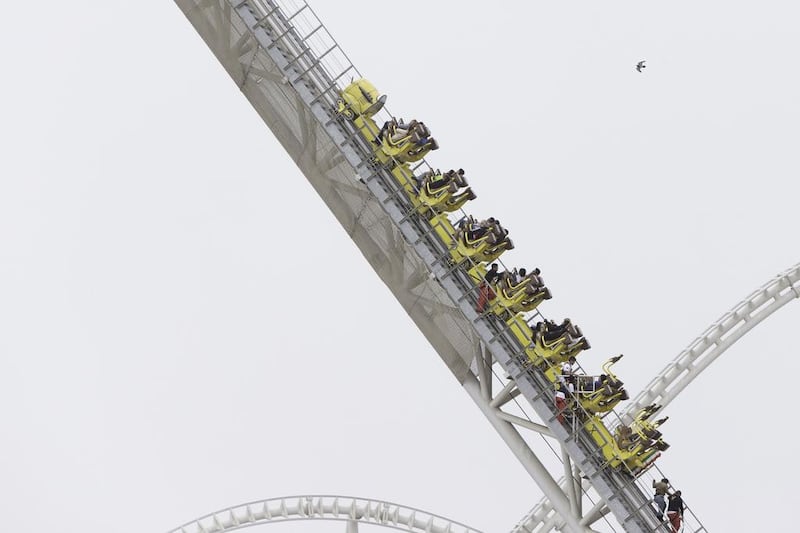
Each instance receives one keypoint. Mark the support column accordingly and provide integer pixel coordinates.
(525, 456)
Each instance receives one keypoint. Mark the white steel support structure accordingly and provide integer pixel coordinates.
(718, 337)
(285, 62)
(349, 510)
(687, 366)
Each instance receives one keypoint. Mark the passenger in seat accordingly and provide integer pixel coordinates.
(385, 128)
(623, 436)
(402, 130)
(397, 129)
(474, 229)
(517, 276)
(566, 327)
(457, 176)
(600, 382)
(568, 371)
(536, 280)
(552, 331)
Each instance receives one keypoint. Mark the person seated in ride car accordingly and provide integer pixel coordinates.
(400, 130)
(599, 382)
(552, 331)
(624, 436)
(456, 176)
(536, 279)
(384, 129)
(569, 370)
(497, 234)
(397, 130)
(472, 229)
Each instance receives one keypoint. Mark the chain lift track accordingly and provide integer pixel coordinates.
(352, 511)
(288, 66)
(687, 366)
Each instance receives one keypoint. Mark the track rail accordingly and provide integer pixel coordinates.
(687, 366)
(285, 62)
(348, 509)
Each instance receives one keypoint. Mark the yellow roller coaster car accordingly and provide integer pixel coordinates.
(518, 297)
(396, 144)
(545, 354)
(405, 177)
(551, 351)
(360, 99)
(444, 192)
(406, 143)
(599, 394)
(632, 448)
(444, 229)
(483, 241)
(628, 448)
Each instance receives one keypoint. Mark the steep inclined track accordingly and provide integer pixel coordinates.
(287, 65)
(687, 366)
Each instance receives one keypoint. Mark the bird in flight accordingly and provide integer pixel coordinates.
(640, 65)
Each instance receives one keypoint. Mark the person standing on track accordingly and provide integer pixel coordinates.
(675, 511)
(662, 488)
(486, 291)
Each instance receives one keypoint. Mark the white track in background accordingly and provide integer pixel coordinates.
(718, 337)
(352, 511)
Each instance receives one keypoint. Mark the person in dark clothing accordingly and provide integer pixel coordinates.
(476, 231)
(492, 275)
(675, 511)
(486, 292)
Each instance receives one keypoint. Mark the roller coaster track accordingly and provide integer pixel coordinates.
(687, 366)
(352, 511)
(284, 61)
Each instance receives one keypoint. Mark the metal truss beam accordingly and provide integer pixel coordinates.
(687, 366)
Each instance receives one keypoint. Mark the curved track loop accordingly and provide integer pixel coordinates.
(325, 507)
(695, 358)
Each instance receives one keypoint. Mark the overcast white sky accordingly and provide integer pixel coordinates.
(159, 359)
